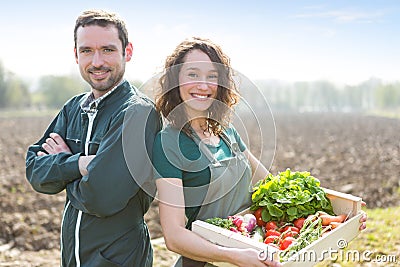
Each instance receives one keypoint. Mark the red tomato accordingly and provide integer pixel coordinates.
(271, 225)
(272, 233)
(285, 243)
(257, 214)
(299, 222)
(289, 233)
(271, 239)
(291, 228)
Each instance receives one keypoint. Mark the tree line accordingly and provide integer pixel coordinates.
(372, 94)
(52, 92)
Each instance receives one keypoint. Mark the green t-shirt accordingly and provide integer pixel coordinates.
(176, 155)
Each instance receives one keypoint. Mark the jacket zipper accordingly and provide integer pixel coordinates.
(91, 117)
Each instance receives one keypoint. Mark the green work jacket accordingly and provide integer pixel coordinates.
(102, 223)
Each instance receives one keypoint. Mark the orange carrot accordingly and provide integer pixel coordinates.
(335, 224)
(327, 219)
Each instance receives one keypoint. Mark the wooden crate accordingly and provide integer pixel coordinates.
(317, 251)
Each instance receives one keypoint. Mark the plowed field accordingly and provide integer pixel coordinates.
(351, 153)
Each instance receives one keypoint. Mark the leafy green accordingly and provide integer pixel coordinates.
(289, 195)
(224, 223)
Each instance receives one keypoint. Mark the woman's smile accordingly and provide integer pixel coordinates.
(200, 96)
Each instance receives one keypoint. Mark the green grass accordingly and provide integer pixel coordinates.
(391, 113)
(381, 239)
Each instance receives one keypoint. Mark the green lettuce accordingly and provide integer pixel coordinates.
(289, 195)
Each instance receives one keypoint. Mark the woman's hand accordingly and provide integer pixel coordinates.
(252, 258)
(363, 218)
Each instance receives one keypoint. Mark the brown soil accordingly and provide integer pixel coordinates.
(348, 152)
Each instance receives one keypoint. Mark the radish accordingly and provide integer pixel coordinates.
(237, 221)
(250, 221)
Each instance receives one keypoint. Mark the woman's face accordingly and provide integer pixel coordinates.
(198, 82)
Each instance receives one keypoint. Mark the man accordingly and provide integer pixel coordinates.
(82, 151)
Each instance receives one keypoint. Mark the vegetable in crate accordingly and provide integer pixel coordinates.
(223, 223)
(311, 230)
(289, 196)
(236, 223)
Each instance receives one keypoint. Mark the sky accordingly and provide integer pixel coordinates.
(342, 41)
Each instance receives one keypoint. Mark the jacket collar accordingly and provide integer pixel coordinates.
(90, 105)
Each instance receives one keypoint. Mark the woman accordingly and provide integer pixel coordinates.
(202, 167)
(199, 148)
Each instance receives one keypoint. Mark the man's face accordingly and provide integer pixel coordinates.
(99, 54)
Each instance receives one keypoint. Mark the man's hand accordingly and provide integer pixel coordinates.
(54, 145)
(83, 162)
